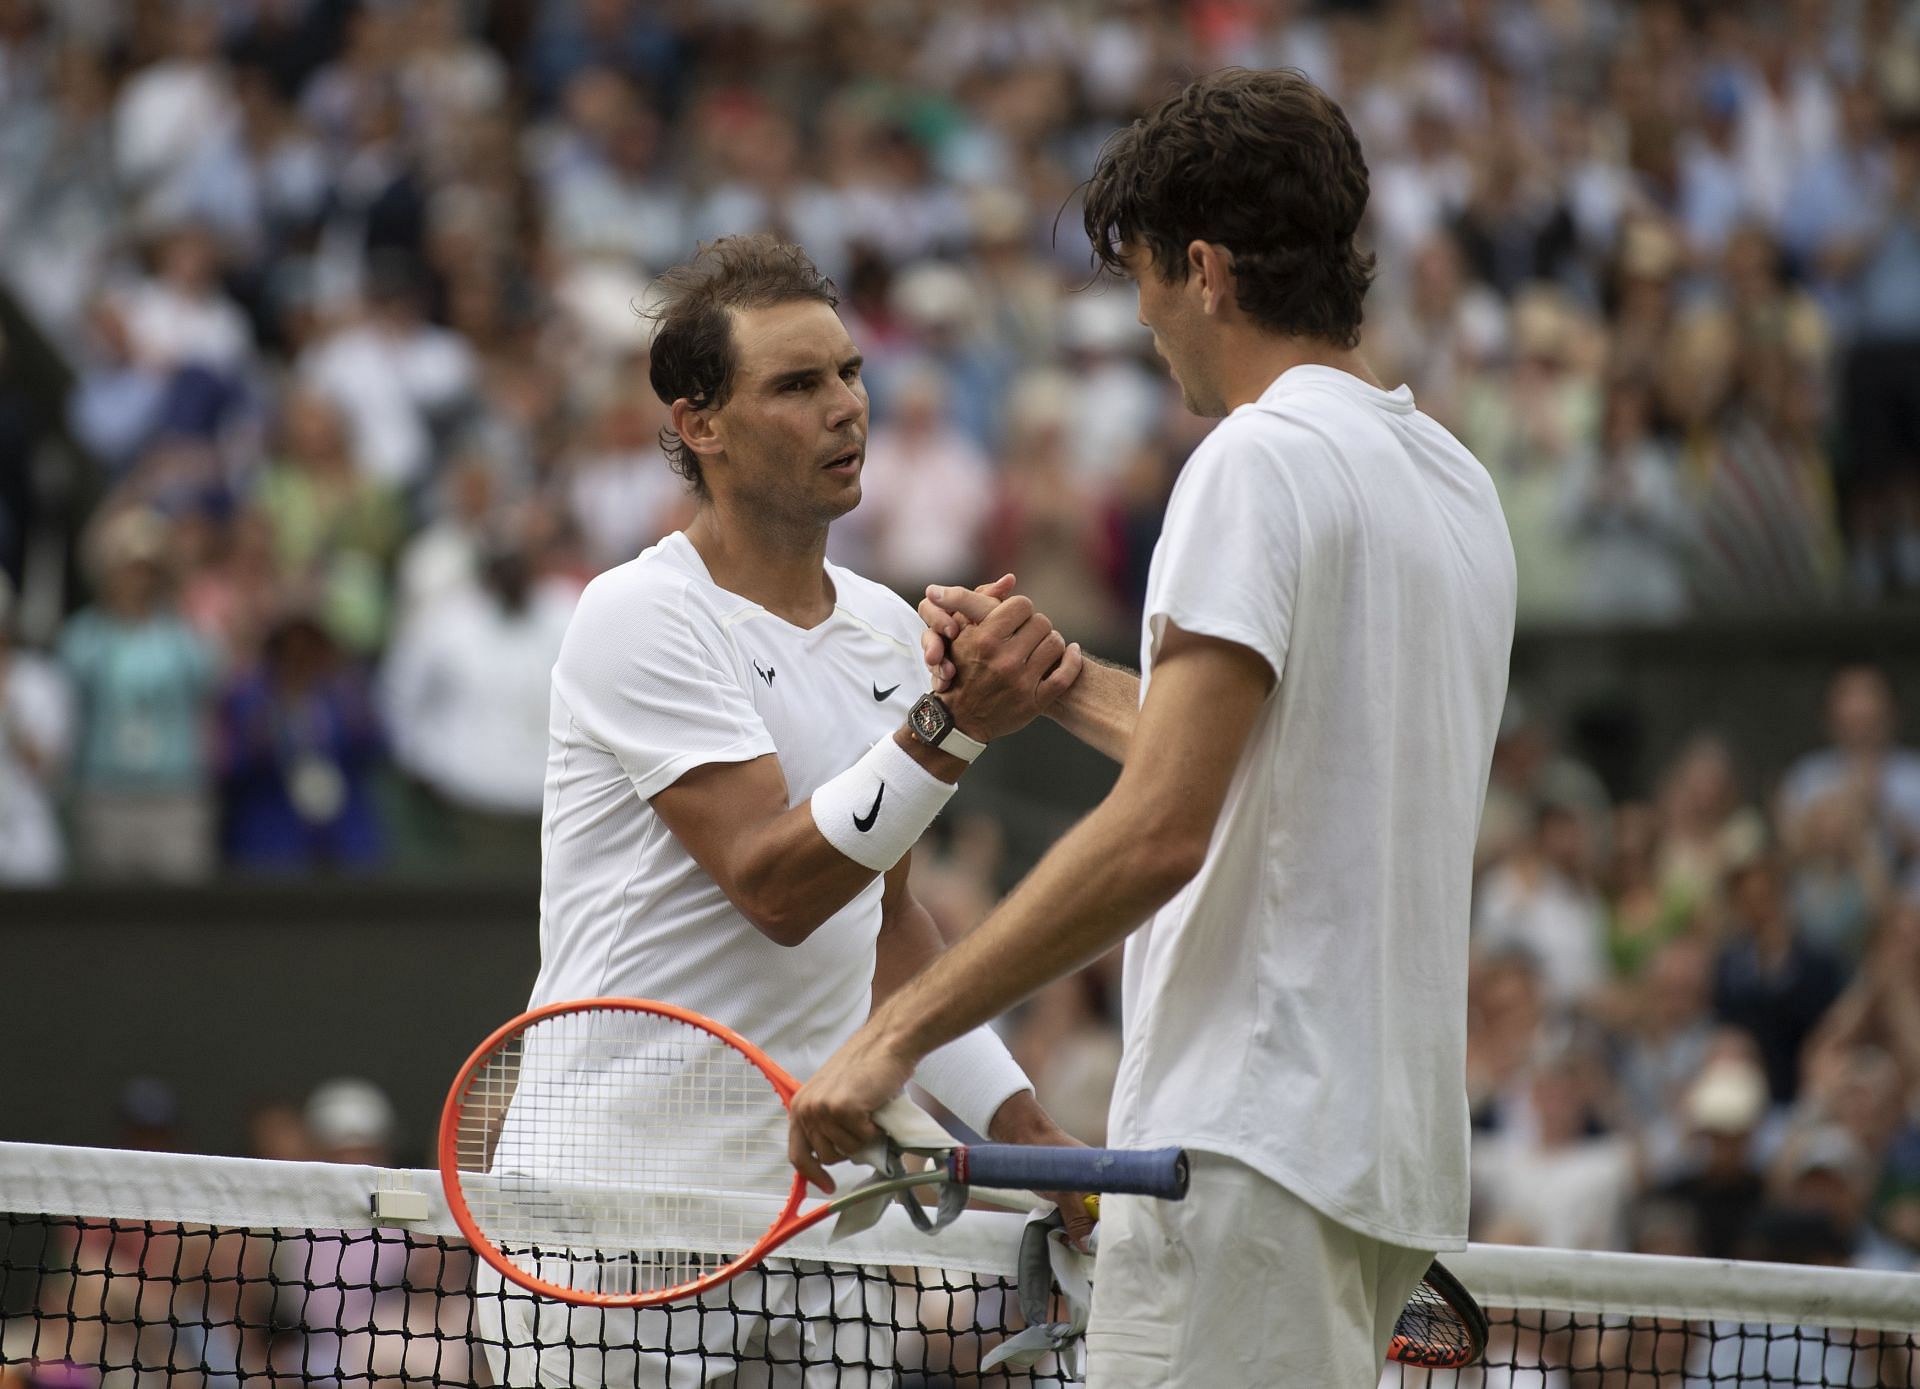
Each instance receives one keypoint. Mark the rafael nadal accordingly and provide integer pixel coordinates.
(740, 763)
(1288, 847)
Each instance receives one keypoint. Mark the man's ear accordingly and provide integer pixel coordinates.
(698, 429)
(1210, 267)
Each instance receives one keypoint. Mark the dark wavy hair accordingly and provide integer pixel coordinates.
(693, 352)
(1262, 163)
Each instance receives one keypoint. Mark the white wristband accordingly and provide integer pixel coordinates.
(879, 807)
(973, 1075)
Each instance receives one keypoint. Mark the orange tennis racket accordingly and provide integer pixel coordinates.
(624, 1153)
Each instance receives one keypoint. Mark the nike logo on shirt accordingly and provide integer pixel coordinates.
(874, 814)
(879, 693)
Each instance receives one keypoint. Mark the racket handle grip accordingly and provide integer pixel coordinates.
(1158, 1172)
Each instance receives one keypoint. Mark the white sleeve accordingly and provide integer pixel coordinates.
(641, 679)
(1229, 559)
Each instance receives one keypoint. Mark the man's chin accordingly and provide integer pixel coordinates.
(1206, 410)
(843, 501)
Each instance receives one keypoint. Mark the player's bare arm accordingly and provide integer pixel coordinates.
(1099, 707)
(908, 942)
(1135, 850)
(772, 860)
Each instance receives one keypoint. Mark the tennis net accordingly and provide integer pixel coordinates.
(133, 1269)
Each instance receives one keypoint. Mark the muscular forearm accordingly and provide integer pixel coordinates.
(783, 874)
(1099, 883)
(1100, 708)
(788, 880)
(908, 942)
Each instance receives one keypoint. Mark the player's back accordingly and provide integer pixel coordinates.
(1361, 550)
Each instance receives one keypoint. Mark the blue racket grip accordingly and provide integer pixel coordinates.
(1158, 1172)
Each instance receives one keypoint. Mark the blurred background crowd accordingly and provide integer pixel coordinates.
(323, 392)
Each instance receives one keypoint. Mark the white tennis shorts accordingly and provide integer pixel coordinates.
(1241, 1286)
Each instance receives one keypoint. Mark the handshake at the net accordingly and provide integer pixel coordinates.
(994, 659)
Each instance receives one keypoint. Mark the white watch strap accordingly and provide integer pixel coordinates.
(961, 746)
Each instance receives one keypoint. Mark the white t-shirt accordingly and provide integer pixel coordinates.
(465, 688)
(1301, 1004)
(662, 671)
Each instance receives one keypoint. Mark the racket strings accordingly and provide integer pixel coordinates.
(1432, 1332)
(620, 1151)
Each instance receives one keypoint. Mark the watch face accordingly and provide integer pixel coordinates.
(930, 719)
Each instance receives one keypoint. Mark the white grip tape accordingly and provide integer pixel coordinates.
(879, 807)
(973, 1075)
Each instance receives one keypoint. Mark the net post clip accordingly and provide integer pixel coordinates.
(400, 1207)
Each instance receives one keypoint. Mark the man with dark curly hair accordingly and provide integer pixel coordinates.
(1289, 845)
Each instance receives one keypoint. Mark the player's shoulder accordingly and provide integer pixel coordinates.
(875, 605)
(1250, 447)
(653, 593)
(658, 578)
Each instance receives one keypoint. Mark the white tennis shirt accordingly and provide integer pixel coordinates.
(1301, 1005)
(663, 671)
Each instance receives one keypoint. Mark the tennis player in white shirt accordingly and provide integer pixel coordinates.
(1290, 841)
(741, 758)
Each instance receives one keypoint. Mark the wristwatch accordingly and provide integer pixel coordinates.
(932, 723)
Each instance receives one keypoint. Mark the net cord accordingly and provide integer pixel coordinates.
(250, 1193)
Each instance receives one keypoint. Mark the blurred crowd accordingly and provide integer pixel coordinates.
(350, 294)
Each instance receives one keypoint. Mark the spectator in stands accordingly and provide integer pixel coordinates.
(444, 554)
(466, 696)
(352, 1120)
(624, 203)
(1705, 825)
(1525, 423)
(1862, 720)
(1560, 1182)
(1441, 332)
(1642, 917)
(298, 747)
(1882, 478)
(147, 1116)
(1841, 873)
(1506, 1018)
(1627, 515)
(142, 804)
(925, 492)
(1667, 1034)
(60, 202)
(1828, 1173)
(1516, 229)
(1718, 1178)
(1769, 980)
(179, 317)
(620, 492)
(1530, 768)
(276, 1129)
(36, 727)
(400, 380)
(336, 529)
(261, 183)
(167, 111)
(1044, 526)
(1881, 1007)
(1543, 901)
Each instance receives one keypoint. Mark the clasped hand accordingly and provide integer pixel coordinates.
(995, 659)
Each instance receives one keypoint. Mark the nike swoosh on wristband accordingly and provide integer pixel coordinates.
(874, 814)
(879, 693)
